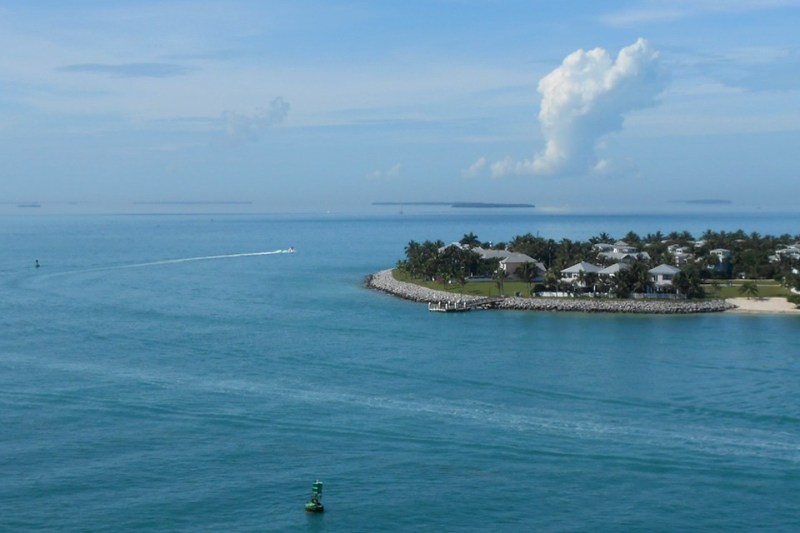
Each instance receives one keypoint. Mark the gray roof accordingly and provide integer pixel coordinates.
(522, 259)
(613, 269)
(516, 257)
(664, 269)
(486, 253)
(583, 266)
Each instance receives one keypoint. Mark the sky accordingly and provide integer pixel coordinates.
(329, 106)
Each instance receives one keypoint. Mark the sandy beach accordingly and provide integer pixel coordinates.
(763, 305)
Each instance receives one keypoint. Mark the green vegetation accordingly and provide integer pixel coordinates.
(733, 289)
(716, 265)
(472, 288)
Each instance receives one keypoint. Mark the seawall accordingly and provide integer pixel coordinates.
(384, 281)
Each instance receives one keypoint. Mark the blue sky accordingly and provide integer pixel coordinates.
(315, 105)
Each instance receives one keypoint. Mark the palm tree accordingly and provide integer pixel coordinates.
(581, 281)
(639, 276)
(749, 288)
(590, 279)
(602, 238)
(687, 282)
(528, 272)
(551, 280)
(470, 239)
(715, 286)
(500, 275)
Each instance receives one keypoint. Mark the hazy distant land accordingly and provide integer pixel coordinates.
(703, 201)
(479, 205)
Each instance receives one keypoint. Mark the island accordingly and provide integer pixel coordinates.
(657, 273)
(459, 205)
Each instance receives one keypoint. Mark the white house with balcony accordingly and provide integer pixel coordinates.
(573, 274)
(721, 254)
(620, 251)
(663, 274)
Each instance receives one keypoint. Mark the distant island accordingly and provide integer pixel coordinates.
(193, 202)
(457, 205)
(703, 201)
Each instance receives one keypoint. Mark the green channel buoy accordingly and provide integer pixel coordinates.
(314, 505)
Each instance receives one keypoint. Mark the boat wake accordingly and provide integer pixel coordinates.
(172, 262)
(201, 258)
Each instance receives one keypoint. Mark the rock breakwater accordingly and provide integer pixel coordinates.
(384, 281)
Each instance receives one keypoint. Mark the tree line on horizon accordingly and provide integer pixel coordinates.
(750, 258)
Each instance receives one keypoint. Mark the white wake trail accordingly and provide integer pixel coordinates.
(202, 258)
(172, 262)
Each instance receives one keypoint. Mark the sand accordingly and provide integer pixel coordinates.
(763, 305)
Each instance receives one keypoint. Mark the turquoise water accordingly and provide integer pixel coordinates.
(147, 386)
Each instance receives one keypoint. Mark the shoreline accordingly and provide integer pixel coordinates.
(384, 281)
(763, 306)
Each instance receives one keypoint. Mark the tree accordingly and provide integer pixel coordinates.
(602, 238)
(749, 288)
(632, 238)
(551, 280)
(500, 276)
(528, 272)
(715, 286)
(688, 283)
(581, 281)
(634, 279)
(590, 279)
(470, 239)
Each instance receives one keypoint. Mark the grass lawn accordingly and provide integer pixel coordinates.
(473, 288)
(767, 288)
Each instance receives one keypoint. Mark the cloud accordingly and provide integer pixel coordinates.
(475, 168)
(585, 99)
(508, 166)
(130, 70)
(249, 127)
(385, 175)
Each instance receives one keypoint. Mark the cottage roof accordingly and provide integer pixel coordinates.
(583, 266)
(516, 257)
(663, 268)
(487, 253)
(615, 268)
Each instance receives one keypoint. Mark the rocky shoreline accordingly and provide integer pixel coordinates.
(384, 281)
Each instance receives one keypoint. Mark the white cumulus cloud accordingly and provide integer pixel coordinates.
(475, 168)
(585, 99)
(385, 175)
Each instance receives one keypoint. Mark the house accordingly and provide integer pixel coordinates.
(571, 274)
(613, 270)
(682, 258)
(513, 261)
(510, 261)
(620, 251)
(789, 252)
(663, 274)
(622, 247)
(619, 247)
(721, 253)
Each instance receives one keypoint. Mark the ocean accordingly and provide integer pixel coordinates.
(185, 373)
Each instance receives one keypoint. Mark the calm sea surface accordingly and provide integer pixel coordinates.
(152, 377)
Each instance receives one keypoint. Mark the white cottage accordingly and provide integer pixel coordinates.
(663, 274)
